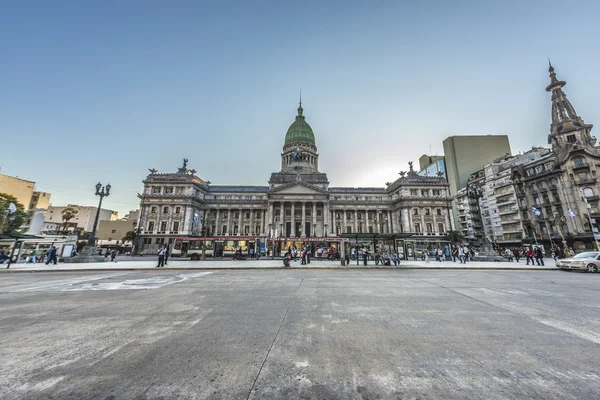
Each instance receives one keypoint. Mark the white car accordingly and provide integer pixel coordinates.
(588, 261)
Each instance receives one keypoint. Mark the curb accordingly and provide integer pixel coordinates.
(15, 271)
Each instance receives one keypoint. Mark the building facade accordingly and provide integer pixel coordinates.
(298, 206)
(85, 217)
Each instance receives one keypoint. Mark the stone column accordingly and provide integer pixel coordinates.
(303, 234)
(355, 221)
(326, 215)
(314, 220)
(240, 222)
(229, 224)
(344, 222)
(293, 232)
(281, 216)
(435, 229)
(423, 226)
(218, 222)
(263, 223)
(252, 232)
(367, 220)
(390, 221)
(269, 223)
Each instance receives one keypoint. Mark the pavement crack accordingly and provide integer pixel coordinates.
(276, 335)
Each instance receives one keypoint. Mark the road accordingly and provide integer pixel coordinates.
(290, 334)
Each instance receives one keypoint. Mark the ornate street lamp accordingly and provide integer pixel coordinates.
(206, 222)
(102, 192)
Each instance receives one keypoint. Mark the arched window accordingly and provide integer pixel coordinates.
(588, 192)
(537, 201)
(578, 162)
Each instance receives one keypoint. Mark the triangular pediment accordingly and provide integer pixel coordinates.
(298, 188)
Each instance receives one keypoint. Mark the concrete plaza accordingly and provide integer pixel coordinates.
(314, 334)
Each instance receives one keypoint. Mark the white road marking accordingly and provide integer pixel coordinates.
(591, 336)
(155, 282)
(70, 282)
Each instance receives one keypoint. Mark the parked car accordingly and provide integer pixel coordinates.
(588, 261)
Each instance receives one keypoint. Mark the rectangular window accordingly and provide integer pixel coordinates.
(348, 229)
(165, 210)
(348, 215)
(288, 212)
(151, 226)
(237, 215)
(571, 139)
(418, 229)
(441, 229)
(177, 210)
(114, 231)
(424, 192)
(318, 213)
(156, 189)
(414, 192)
(152, 210)
(176, 226)
(429, 228)
(427, 211)
(247, 215)
(359, 216)
(416, 211)
(163, 226)
(246, 230)
(168, 190)
(224, 229)
(438, 211)
(370, 229)
(258, 215)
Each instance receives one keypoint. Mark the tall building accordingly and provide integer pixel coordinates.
(427, 160)
(563, 185)
(298, 205)
(84, 218)
(25, 192)
(465, 155)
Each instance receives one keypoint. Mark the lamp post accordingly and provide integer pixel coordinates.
(559, 221)
(205, 221)
(273, 236)
(101, 191)
(338, 221)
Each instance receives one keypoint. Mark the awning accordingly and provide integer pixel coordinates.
(376, 236)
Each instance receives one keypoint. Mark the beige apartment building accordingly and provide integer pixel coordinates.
(112, 232)
(84, 218)
(24, 191)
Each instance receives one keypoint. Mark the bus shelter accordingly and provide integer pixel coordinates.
(382, 242)
(12, 245)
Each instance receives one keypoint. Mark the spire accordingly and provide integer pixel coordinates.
(300, 109)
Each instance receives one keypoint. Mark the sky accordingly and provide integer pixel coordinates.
(102, 91)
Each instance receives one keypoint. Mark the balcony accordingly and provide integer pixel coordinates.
(510, 221)
(586, 181)
(592, 198)
(507, 211)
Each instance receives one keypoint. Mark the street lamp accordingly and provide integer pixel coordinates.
(205, 221)
(102, 192)
(559, 221)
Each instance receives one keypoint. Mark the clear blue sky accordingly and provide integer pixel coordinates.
(102, 91)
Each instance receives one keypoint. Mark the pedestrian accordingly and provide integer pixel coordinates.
(251, 253)
(353, 256)
(113, 255)
(303, 256)
(539, 256)
(161, 258)
(441, 255)
(516, 254)
(32, 257)
(308, 253)
(426, 254)
(365, 256)
(51, 256)
(167, 253)
(529, 255)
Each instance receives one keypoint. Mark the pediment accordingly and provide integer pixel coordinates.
(298, 188)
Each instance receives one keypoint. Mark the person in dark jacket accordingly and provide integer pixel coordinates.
(51, 256)
(539, 256)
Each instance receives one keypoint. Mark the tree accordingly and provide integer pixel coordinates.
(129, 237)
(14, 221)
(68, 214)
(454, 237)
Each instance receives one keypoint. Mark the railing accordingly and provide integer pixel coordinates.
(586, 181)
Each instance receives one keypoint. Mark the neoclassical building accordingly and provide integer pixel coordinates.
(296, 207)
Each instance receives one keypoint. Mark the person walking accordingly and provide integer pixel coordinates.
(365, 256)
(426, 254)
(51, 255)
(539, 256)
(161, 258)
(516, 254)
(251, 253)
(529, 255)
(113, 255)
(167, 253)
(32, 257)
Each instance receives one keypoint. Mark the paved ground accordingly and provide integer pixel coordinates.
(310, 334)
(137, 263)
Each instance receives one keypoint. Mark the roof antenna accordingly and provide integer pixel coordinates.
(300, 97)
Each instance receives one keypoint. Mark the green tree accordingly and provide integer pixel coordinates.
(81, 244)
(129, 237)
(68, 214)
(454, 237)
(13, 221)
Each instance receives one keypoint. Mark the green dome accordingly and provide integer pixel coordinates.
(300, 131)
